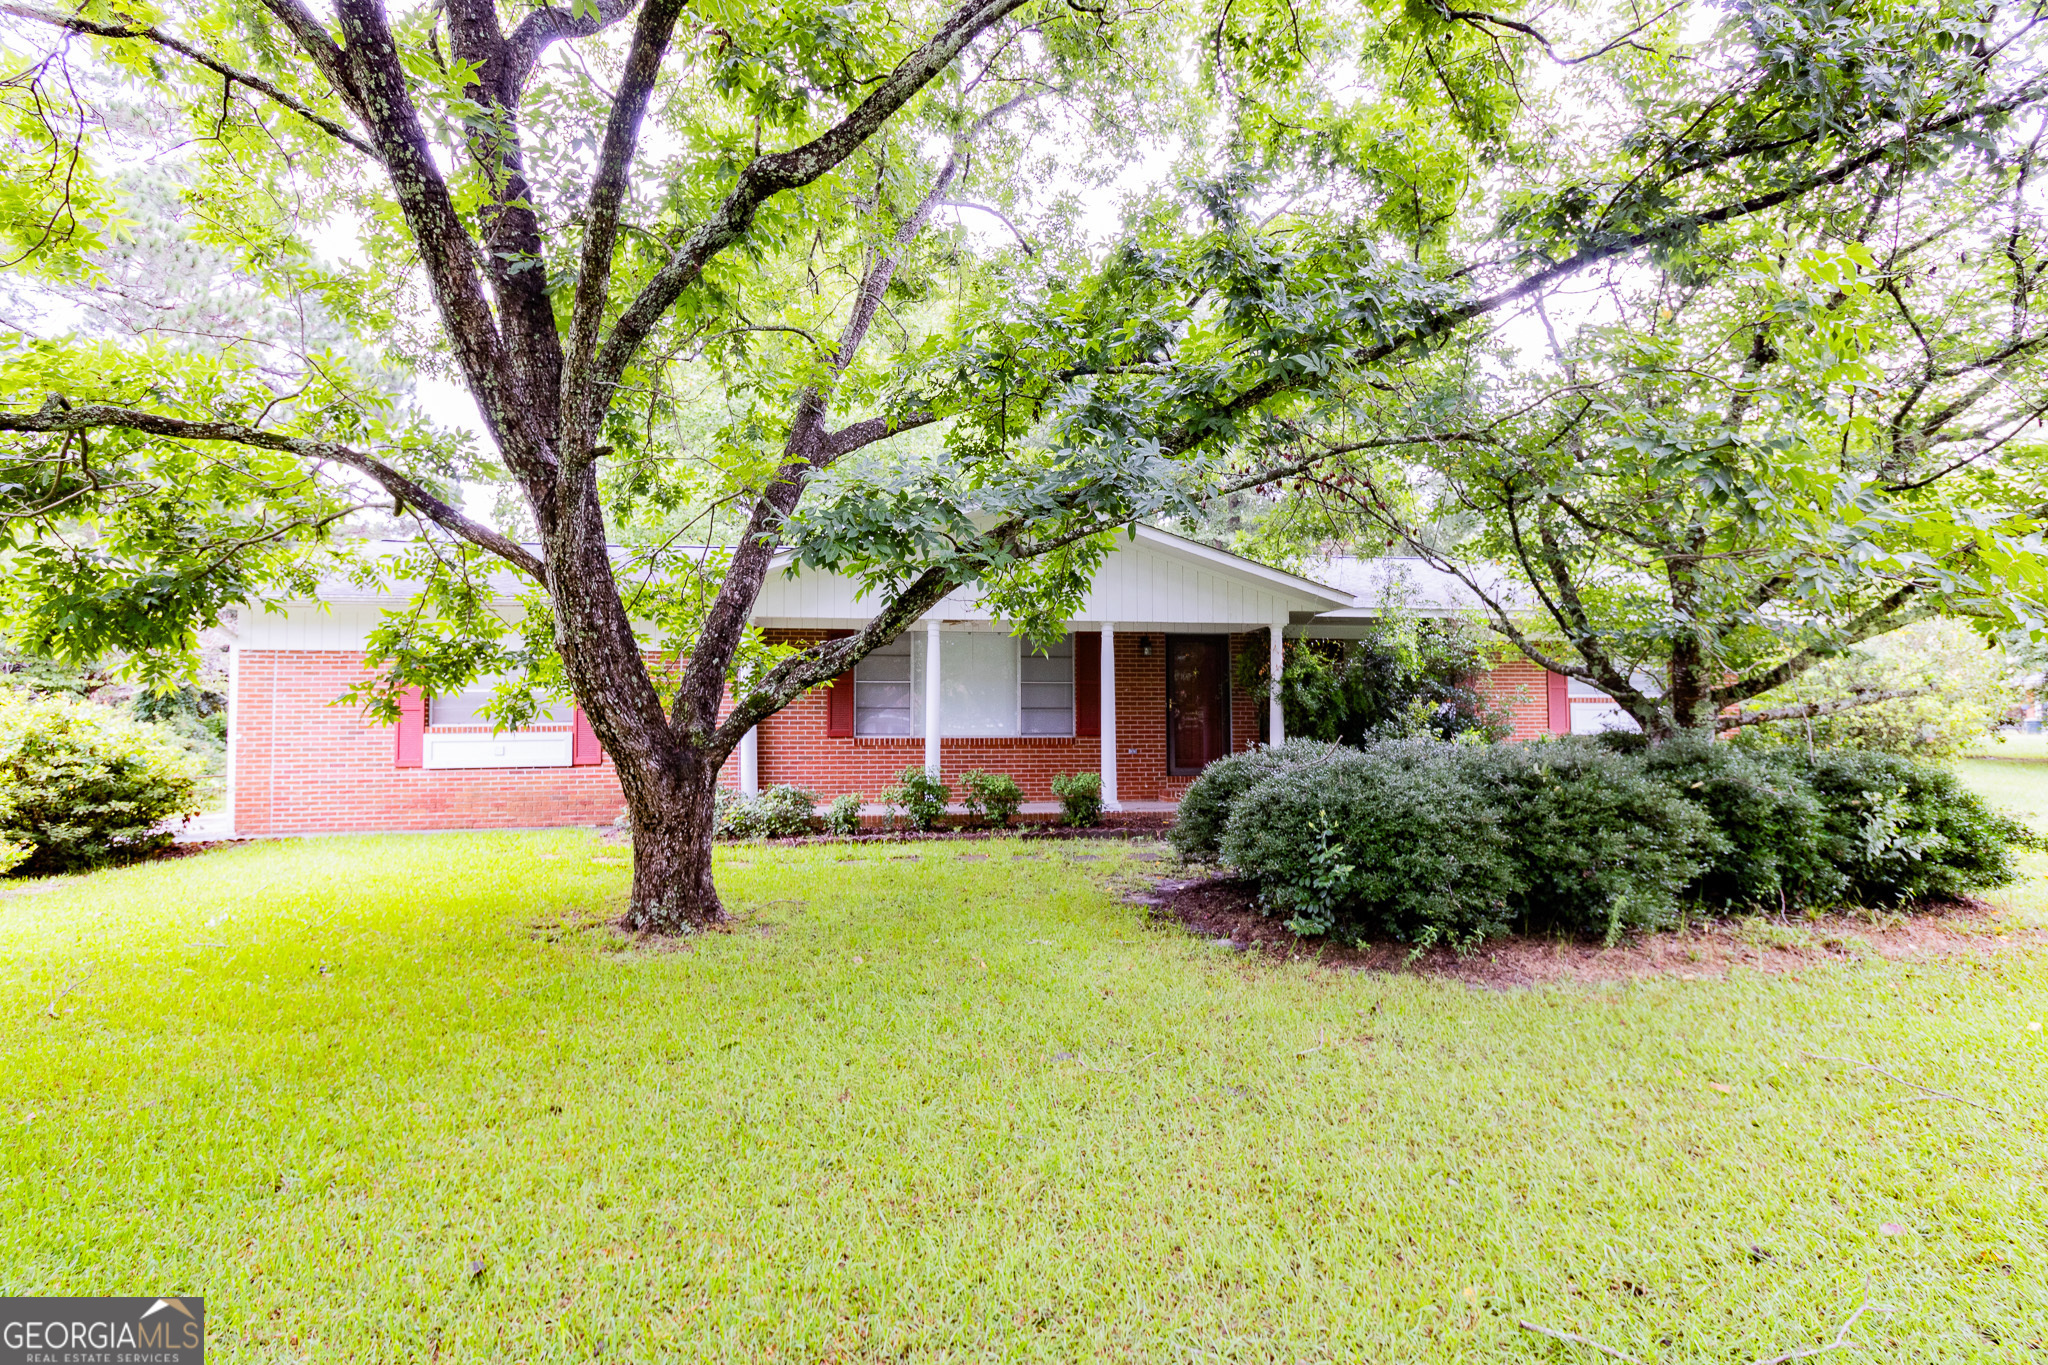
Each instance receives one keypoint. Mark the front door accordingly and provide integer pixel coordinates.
(1197, 702)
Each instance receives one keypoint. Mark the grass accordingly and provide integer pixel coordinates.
(2011, 772)
(973, 1110)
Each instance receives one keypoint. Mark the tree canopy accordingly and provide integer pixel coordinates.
(940, 295)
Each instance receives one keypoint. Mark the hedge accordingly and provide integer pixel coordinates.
(1453, 843)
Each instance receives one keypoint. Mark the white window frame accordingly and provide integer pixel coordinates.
(915, 647)
(551, 744)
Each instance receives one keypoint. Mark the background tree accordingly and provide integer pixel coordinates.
(563, 208)
(1774, 443)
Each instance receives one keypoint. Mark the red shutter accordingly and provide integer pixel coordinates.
(1088, 684)
(412, 728)
(839, 698)
(1560, 703)
(584, 750)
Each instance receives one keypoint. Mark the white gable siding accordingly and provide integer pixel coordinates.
(1158, 582)
(1138, 585)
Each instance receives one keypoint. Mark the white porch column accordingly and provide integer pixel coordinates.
(750, 762)
(931, 697)
(1108, 705)
(1276, 726)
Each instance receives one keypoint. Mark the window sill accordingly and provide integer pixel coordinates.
(967, 741)
(455, 747)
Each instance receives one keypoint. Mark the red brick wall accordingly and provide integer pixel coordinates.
(1523, 690)
(304, 766)
(795, 748)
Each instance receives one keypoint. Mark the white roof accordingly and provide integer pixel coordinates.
(1408, 584)
(1151, 580)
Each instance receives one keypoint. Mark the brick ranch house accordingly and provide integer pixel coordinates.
(1140, 690)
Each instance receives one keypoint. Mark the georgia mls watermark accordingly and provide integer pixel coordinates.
(140, 1331)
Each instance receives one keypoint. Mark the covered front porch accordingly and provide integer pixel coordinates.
(1145, 688)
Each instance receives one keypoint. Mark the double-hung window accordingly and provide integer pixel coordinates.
(458, 735)
(991, 686)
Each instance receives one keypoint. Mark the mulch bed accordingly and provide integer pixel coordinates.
(1141, 825)
(1222, 910)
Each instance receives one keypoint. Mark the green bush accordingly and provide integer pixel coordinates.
(843, 815)
(1767, 847)
(82, 785)
(1449, 843)
(921, 797)
(733, 815)
(1396, 839)
(1198, 828)
(1900, 830)
(778, 813)
(993, 797)
(1080, 797)
(785, 812)
(1599, 847)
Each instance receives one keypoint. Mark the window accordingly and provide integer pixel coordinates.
(886, 697)
(457, 735)
(1045, 693)
(990, 686)
(466, 707)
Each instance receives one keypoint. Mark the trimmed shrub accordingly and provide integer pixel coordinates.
(1767, 848)
(1900, 830)
(82, 785)
(1395, 840)
(843, 815)
(1599, 847)
(921, 797)
(1198, 828)
(1080, 797)
(993, 797)
(785, 812)
(732, 815)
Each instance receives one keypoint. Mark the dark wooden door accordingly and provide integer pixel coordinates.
(1197, 702)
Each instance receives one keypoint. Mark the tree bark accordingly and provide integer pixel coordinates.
(672, 824)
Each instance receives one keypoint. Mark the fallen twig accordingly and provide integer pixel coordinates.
(1840, 1343)
(1576, 1340)
(1929, 1091)
(76, 981)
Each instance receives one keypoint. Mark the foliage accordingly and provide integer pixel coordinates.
(1080, 797)
(1444, 843)
(1900, 830)
(1714, 475)
(1394, 840)
(1766, 848)
(991, 797)
(1319, 213)
(1601, 849)
(842, 817)
(1205, 808)
(1407, 680)
(921, 797)
(1964, 686)
(783, 812)
(82, 785)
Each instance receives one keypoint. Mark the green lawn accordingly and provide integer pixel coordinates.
(2012, 774)
(947, 1109)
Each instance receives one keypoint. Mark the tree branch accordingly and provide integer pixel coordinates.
(1807, 710)
(1875, 619)
(79, 24)
(545, 27)
(586, 396)
(771, 175)
(57, 415)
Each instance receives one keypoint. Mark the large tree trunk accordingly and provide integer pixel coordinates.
(672, 823)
